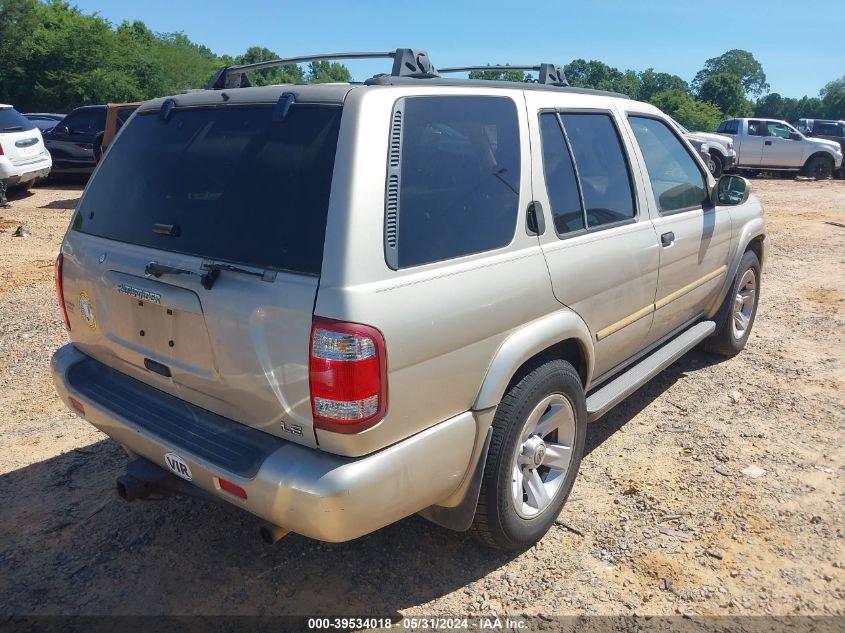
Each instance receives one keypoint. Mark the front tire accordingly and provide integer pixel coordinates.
(535, 452)
(716, 165)
(819, 167)
(735, 317)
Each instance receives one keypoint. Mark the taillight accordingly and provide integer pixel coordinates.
(348, 372)
(1, 149)
(60, 291)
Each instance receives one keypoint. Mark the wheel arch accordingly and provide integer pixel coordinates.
(560, 335)
(823, 154)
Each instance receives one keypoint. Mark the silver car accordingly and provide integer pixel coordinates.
(337, 305)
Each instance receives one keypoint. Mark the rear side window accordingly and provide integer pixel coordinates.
(561, 182)
(676, 180)
(453, 178)
(729, 127)
(13, 121)
(828, 129)
(602, 168)
(236, 185)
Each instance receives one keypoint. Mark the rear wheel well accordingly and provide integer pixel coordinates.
(570, 350)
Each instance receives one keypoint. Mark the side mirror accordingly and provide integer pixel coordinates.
(732, 190)
(795, 136)
(60, 130)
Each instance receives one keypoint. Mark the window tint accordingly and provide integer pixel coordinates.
(828, 129)
(602, 168)
(239, 186)
(13, 121)
(729, 127)
(459, 190)
(86, 121)
(561, 184)
(755, 128)
(676, 180)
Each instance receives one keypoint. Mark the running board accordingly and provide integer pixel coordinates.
(614, 392)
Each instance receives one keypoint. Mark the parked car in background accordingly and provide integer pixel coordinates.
(826, 129)
(771, 145)
(23, 157)
(720, 147)
(336, 305)
(71, 141)
(116, 115)
(45, 121)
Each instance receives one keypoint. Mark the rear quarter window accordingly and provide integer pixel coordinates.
(455, 188)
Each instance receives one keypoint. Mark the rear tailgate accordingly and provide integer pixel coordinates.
(206, 188)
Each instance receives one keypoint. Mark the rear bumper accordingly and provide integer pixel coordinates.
(22, 174)
(317, 494)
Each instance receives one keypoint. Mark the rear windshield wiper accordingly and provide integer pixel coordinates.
(212, 269)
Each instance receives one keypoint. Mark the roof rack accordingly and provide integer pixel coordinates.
(549, 74)
(407, 62)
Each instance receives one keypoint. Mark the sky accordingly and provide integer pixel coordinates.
(801, 48)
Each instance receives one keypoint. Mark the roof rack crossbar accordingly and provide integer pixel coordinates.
(549, 74)
(407, 62)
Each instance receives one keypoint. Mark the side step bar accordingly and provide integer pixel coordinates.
(614, 392)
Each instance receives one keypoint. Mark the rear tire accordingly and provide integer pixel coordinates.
(535, 452)
(819, 167)
(736, 315)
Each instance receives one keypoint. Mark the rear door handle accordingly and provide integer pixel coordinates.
(768, 142)
(667, 239)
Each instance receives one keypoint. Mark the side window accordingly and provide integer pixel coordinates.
(676, 180)
(602, 167)
(777, 129)
(86, 121)
(755, 128)
(561, 183)
(730, 126)
(457, 177)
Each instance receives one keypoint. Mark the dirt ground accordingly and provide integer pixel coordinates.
(663, 519)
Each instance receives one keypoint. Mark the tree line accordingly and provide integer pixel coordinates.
(54, 57)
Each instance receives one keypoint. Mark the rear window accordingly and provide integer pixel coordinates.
(729, 127)
(13, 121)
(236, 185)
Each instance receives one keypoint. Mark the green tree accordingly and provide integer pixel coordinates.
(652, 83)
(324, 72)
(18, 18)
(688, 111)
(291, 74)
(833, 99)
(725, 91)
(493, 75)
(736, 62)
(698, 115)
(772, 105)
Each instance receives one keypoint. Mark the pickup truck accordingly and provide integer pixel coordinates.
(771, 145)
(721, 155)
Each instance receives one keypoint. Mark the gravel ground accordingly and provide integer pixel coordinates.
(661, 520)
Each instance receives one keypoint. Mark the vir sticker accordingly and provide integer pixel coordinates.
(86, 307)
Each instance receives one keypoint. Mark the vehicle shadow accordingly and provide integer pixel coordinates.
(628, 409)
(69, 545)
(69, 203)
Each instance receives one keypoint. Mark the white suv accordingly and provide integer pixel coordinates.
(23, 157)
